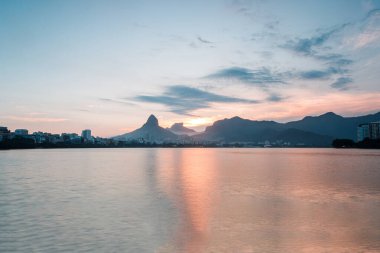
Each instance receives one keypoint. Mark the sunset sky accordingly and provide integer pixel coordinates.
(107, 65)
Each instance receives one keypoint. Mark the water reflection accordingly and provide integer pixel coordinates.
(190, 200)
(190, 182)
(259, 201)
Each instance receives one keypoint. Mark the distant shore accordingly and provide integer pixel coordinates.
(365, 144)
(27, 143)
(147, 146)
(94, 146)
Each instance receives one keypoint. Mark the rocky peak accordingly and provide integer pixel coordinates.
(151, 122)
(178, 127)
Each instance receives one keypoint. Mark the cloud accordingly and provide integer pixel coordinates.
(263, 77)
(338, 60)
(37, 119)
(315, 74)
(203, 40)
(110, 100)
(309, 46)
(357, 35)
(321, 74)
(316, 48)
(275, 98)
(272, 25)
(342, 83)
(258, 77)
(182, 99)
(367, 38)
(369, 31)
(201, 43)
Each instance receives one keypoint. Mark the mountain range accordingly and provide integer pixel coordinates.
(309, 131)
(150, 131)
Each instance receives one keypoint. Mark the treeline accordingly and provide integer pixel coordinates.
(347, 143)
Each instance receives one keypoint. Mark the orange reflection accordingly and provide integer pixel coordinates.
(190, 183)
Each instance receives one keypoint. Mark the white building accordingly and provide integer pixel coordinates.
(86, 135)
(362, 132)
(368, 130)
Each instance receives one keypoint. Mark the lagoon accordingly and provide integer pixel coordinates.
(190, 200)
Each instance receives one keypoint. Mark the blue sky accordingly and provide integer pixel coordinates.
(107, 65)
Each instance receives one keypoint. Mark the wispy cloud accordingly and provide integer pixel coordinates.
(257, 77)
(37, 119)
(310, 46)
(33, 114)
(183, 100)
(337, 60)
(204, 40)
(342, 83)
(369, 31)
(275, 98)
(201, 42)
(316, 47)
(116, 101)
(321, 74)
(264, 78)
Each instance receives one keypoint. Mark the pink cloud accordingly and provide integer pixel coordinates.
(366, 38)
(37, 119)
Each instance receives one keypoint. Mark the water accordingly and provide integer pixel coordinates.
(190, 200)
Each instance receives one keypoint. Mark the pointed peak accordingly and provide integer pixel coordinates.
(152, 121)
(330, 114)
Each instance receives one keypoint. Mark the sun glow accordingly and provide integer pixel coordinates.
(194, 122)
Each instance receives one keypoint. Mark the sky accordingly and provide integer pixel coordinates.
(107, 65)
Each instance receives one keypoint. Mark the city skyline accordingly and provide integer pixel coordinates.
(66, 66)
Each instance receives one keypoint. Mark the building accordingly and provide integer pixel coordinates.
(368, 131)
(21, 132)
(71, 138)
(362, 132)
(86, 135)
(39, 137)
(4, 130)
(4, 133)
(374, 129)
(54, 138)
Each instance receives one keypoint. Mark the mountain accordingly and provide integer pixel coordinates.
(296, 136)
(179, 129)
(243, 130)
(333, 125)
(150, 131)
(310, 131)
(238, 129)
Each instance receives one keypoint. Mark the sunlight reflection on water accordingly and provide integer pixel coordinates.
(190, 200)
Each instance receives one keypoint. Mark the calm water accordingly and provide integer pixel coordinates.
(190, 200)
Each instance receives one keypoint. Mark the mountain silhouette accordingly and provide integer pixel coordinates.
(311, 130)
(317, 131)
(237, 129)
(179, 129)
(333, 125)
(152, 122)
(150, 132)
